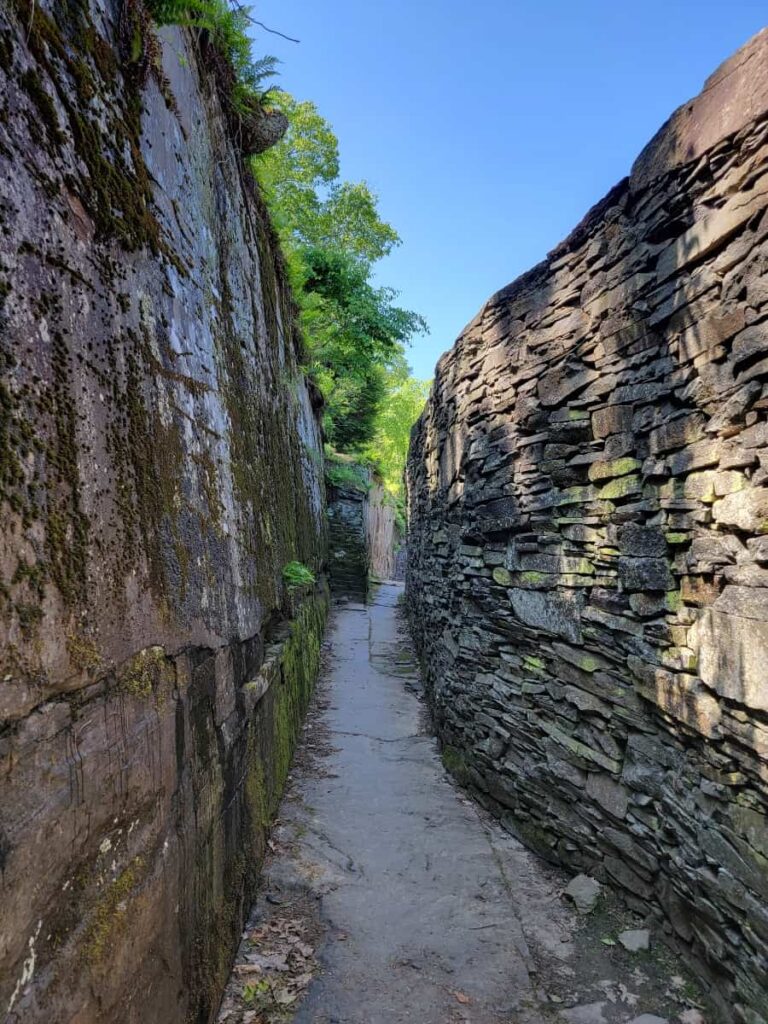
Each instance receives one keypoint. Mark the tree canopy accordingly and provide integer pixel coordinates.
(356, 335)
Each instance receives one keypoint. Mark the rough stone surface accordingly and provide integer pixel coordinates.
(421, 908)
(635, 939)
(363, 535)
(159, 465)
(384, 533)
(348, 541)
(584, 891)
(587, 562)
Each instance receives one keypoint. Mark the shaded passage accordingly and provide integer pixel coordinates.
(390, 896)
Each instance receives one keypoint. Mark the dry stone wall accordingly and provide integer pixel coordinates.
(160, 462)
(349, 560)
(364, 534)
(588, 547)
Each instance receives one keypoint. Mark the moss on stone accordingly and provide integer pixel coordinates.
(83, 652)
(455, 763)
(677, 538)
(619, 488)
(532, 662)
(117, 190)
(110, 911)
(30, 82)
(533, 576)
(145, 673)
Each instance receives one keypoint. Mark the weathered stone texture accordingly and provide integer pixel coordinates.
(159, 464)
(363, 537)
(363, 534)
(587, 574)
(384, 535)
(348, 540)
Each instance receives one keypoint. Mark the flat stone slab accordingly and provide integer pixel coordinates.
(635, 940)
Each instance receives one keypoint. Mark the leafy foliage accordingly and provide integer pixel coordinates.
(308, 202)
(355, 333)
(406, 396)
(227, 26)
(345, 471)
(296, 574)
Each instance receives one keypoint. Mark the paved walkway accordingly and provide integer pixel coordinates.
(390, 897)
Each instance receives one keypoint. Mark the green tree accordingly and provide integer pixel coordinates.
(310, 205)
(355, 333)
(406, 396)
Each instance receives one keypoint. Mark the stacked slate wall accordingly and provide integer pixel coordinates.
(348, 540)
(159, 464)
(363, 535)
(588, 546)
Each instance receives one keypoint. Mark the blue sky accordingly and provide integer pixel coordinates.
(488, 128)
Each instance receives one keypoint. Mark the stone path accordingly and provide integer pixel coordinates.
(390, 897)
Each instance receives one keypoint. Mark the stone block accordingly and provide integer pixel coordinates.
(677, 433)
(555, 386)
(612, 419)
(613, 468)
(620, 488)
(710, 332)
(628, 879)
(744, 510)
(549, 612)
(731, 641)
(584, 892)
(611, 795)
(679, 695)
(695, 456)
(642, 541)
(636, 940)
(645, 574)
(750, 342)
(713, 230)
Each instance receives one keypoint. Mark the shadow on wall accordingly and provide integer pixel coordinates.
(159, 465)
(587, 574)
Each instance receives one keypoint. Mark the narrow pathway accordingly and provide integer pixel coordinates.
(390, 897)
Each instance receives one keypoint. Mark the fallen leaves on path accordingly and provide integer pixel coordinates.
(275, 966)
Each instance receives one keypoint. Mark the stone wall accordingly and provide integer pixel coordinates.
(364, 536)
(588, 561)
(383, 532)
(159, 465)
(349, 560)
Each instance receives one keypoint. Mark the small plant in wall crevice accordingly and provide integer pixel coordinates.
(296, 574)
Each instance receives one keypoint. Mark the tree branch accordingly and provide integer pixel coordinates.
(244, 11)
(273, 31)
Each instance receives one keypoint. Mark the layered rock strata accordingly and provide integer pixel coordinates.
(159, 465)
(349, 558)
(588, 559)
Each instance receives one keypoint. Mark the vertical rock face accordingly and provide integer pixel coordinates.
(349, 557)
(159, 460)
(384, 532)
(588, 562)
(363, 536)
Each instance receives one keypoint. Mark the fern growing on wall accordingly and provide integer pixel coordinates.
(296, 574)
(227, 27)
